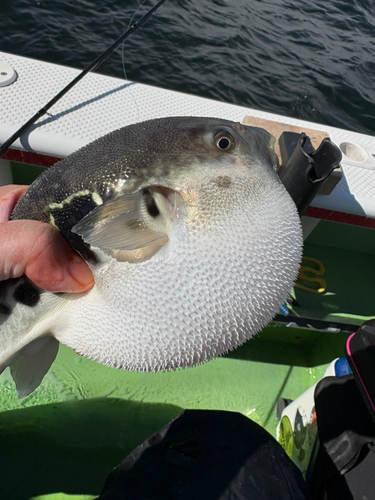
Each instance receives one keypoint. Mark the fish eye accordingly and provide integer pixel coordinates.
(224, 142)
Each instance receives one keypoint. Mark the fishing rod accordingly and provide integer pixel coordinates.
(92, 67)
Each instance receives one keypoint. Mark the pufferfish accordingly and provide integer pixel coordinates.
(193, 241)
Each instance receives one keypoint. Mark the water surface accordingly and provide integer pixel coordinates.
(310, 60)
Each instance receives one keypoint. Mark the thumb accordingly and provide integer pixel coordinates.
(40, 252)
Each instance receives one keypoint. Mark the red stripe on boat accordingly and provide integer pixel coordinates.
(355, 220)
(30, 158)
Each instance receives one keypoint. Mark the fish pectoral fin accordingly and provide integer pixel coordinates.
(129, 222)
(116, 234)
(31, 364)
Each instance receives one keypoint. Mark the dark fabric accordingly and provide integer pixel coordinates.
(346, 435)
(208, 455)
(361, 356)
(344, 423)
(359, 482)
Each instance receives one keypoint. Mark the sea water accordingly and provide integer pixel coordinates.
(310, 60)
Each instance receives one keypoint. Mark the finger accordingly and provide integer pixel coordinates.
(39, 251)
(9, 195)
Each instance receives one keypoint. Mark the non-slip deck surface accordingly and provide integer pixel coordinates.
(100, 104)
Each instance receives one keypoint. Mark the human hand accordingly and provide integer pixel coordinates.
(38, 250)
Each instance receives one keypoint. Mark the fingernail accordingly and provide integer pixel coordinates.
(80, 272)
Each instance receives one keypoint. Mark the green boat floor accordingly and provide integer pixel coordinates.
(348, 256)
(85, 418)
(64, 496)
(25, 174)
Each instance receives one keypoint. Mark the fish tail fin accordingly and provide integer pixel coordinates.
(28, 318)
(29, 366)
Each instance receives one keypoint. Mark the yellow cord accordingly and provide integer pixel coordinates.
(319, 271)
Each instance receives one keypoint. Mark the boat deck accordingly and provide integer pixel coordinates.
(99, 104)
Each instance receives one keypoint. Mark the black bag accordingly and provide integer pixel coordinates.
(345, 465)
(207, 455)
(360, 353)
